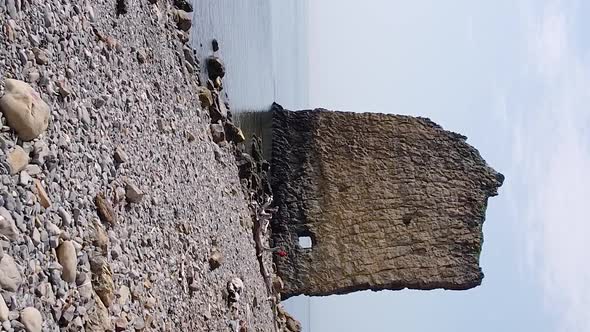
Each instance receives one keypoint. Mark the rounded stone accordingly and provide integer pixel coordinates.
(66, 255)
(24, 109)
(10, 277)
(31, 319)
(3, 310)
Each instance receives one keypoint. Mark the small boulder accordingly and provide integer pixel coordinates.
(234, 289)
(105, 210)
(102, 280)
(124, 295)
(7, 225)
(215, 259)
(277, 284)
(120, 155)
(189, 56)
(215, 45)
(100, 238)
(133, 193)
(18, 159)
(183, 20)
(66, 255)
(183, 5)
(293, 325)
(215, 68)
(40, 56)
(3, 310)
(10, 277)
(31, 319)
(233, 133)
(24, 110)
(206, 98)
(98, 318)
(42, 194)
(217, 133)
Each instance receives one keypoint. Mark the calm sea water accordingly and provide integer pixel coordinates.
(264, 46)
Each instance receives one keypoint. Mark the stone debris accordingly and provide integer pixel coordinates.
(24, 109)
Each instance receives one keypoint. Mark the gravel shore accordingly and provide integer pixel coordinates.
(124, 214)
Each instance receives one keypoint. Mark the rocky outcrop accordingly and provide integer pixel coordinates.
(388, 202)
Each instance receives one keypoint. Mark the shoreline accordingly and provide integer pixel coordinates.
(162, 247)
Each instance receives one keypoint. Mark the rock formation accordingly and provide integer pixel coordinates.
(388, 202)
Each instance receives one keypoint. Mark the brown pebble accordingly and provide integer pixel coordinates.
(105, 210)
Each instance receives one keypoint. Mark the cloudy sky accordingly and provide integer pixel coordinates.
(514, 76)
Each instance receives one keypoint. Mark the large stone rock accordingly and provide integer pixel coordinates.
(387, 202)
(66, 255)
(24, 110)
(10, 277)
(31, 319)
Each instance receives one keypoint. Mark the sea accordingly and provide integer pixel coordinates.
(264, 45)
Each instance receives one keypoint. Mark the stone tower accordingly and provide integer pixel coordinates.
(388, 201)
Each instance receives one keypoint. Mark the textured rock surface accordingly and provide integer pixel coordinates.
(388, 201)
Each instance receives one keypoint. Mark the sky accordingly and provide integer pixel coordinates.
(514, 77)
